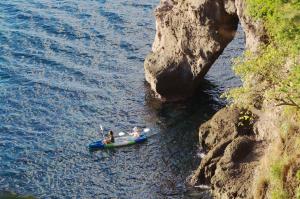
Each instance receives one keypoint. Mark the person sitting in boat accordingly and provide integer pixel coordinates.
(109, 138)
(136, 132)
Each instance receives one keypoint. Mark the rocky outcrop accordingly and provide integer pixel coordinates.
(255, 33)
(233, 154)
(229, 125)
(242, 147)
(190, 35)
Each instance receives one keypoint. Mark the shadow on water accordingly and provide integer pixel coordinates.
(177, 134)
(189, 113)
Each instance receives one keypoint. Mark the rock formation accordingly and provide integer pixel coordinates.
(190, 36)
(233, 155)
(240, 153)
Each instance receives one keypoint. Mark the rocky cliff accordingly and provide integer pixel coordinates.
(247, 154)
(190, 35)
(250, 153)
(235, 147)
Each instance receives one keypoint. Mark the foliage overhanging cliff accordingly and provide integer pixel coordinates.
(272, 73)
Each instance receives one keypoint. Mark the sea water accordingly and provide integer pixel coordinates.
(68, 66)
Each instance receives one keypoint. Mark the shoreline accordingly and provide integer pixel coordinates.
(244, 141)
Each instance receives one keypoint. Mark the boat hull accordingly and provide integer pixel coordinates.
(119, 142)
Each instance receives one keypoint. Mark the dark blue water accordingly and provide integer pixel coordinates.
(67, 66)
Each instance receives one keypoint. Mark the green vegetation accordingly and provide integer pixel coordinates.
(280, 186)
(246, 118)
(272, 73)
(276, 181)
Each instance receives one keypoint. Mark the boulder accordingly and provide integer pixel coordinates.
(207, 168)
(222, 125)
(225, 124)
(232, 157)
(234, 172)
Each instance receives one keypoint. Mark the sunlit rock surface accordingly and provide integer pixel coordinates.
(190, 35)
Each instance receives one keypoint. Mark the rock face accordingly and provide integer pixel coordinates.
(227, 122)
(190, 36)
(255, 32)
(241, 152)
(233, 155)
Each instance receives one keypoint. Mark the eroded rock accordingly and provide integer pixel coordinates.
(190, 35)
(225, 124)
(208, 164)
(235, 171)
(233, 154)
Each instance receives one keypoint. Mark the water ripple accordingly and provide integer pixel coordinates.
(68, 66)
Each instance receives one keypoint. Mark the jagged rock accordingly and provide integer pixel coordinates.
(215, 135)
(234, 172)
(225, 124)
(238, 149)
(229, 167)
(190, 35)
(233, 154)
(208, 164)
(222, 125)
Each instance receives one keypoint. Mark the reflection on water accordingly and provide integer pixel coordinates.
(68, 66)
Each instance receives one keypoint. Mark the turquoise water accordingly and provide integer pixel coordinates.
(68, 66)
